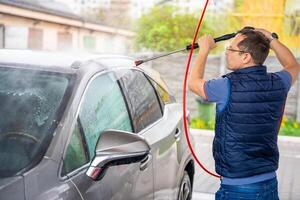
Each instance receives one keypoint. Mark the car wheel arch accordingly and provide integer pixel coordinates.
(190, 169)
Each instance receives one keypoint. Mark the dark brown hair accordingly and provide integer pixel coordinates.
(256, 44)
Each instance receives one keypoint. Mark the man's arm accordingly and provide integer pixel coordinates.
(284, 55)
(196, 81)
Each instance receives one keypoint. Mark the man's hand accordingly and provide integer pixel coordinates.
(206, 43)
(267, 34)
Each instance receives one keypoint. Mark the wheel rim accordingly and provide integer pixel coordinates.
(184, 190)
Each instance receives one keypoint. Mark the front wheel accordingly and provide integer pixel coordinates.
(185, 191)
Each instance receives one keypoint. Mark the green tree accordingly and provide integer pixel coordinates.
(165, 29)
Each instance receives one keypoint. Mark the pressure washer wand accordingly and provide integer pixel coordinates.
(218, 39)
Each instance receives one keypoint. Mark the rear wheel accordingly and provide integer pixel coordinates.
(185, 191)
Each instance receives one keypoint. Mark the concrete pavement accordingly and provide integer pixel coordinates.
(288, 173)
(203, 196)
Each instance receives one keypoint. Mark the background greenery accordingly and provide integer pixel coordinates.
(288, 127)
(162, 29)
(167, 28)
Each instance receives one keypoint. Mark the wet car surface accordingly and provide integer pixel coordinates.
(89, 127)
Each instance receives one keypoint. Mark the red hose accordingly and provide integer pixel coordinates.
(184, 95)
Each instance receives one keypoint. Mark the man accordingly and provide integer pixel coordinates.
(249, 107)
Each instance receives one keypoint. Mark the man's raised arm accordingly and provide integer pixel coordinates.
(284, 55)
(196, 81)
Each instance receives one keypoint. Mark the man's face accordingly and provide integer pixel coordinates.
(234, 55)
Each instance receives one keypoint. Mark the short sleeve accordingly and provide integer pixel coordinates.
(286, 78)
(217, 90)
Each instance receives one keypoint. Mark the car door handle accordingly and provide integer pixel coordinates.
(145, 162)
(177, 133)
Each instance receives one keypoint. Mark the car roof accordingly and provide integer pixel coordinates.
(57, 59)
(70, 62)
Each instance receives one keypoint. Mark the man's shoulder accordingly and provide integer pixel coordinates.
(286, 77)
(283, 74)
(217, 84)
(216, 90)
(222, 79)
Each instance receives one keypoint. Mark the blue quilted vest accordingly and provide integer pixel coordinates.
(245, 142)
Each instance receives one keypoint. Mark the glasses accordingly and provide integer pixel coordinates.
(235, 50)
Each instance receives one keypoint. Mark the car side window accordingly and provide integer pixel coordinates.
(76, 155)
(103, 107)
(164, 95)
(142, 99)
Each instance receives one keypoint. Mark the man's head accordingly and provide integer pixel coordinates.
(248, 48)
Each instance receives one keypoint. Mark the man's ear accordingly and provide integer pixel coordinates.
(246, 58)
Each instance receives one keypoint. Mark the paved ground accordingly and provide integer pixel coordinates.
(203, 196)
(288, 173)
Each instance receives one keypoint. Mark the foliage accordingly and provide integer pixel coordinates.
(238, 3)
(165, 29)
(198, 123)
(222, 23)
(289, 127)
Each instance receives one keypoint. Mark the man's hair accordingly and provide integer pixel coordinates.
(256, 44)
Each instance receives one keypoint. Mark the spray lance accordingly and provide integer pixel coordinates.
(189, 47)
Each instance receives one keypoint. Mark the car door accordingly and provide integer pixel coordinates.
(103, 107)
(173, 124)
(162, 131)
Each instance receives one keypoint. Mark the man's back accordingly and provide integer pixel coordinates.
(247, 127)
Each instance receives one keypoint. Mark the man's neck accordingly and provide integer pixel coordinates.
(248, 65)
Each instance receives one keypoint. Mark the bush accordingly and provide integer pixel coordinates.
(288, 127)
(198, 123)
(166, 29)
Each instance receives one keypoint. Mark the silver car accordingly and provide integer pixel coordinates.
(87, 127)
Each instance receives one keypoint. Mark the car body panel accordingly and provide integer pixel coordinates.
(42, 182)
(12, 188)
(160, 179)
(119, 182)
(168, 152)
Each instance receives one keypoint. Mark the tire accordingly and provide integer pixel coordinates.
(185, 190)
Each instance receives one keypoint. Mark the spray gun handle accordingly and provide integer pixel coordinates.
(225, 37)
(218, 39)
(189, 47)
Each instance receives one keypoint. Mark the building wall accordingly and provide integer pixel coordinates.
(50, 38)
(17, 35)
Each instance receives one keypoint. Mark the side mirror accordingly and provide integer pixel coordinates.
(116, 147)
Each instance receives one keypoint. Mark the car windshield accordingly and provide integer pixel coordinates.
(30, 107)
